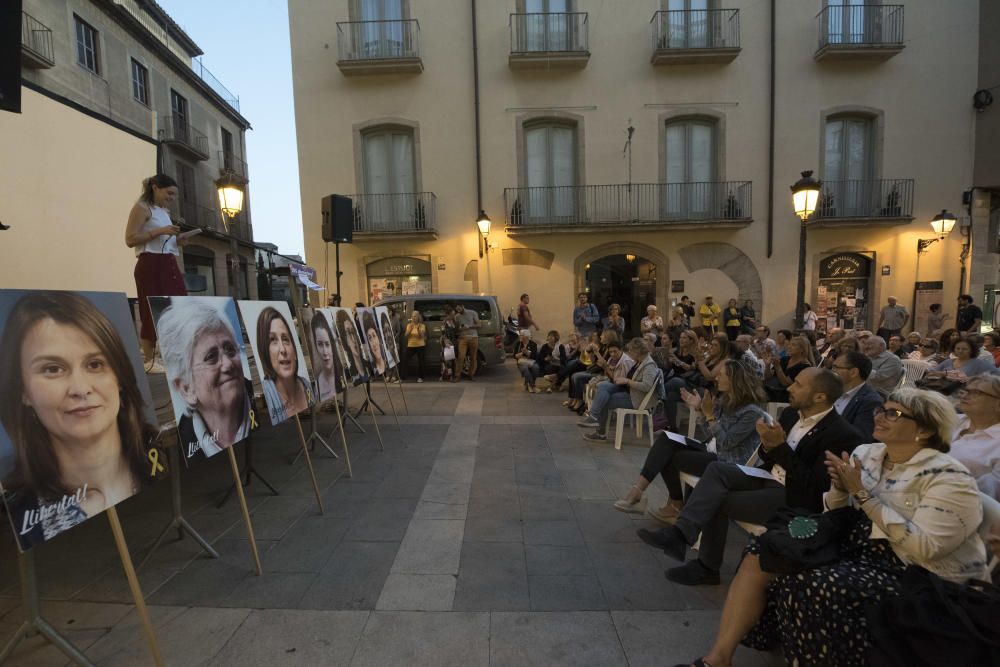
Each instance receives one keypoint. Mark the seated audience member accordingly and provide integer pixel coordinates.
(729, 418)
(864, 335)
(638, 381)
(833, 336)
(779, 374)
(619, 367)
(652, 323)
(762, 342)
(927, 352)
(976, 441)
(991, 343)
(573, 348)
(793, 450)
(702, 374)
(965, 363)
(677, 324)
(845, 344)
(683, 373)
(743, 346)
(912, 343)
(525, 354)
(663, 354)
(887, 369)
(947, 341)
(551, 359)
(902, 486)
(858, 402)
(897, 346)
(595, 356)
(978, 339)
(781, 339)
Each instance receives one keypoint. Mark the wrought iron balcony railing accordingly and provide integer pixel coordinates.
(36, 42)
(177, 130)
(397, 212)
(378, 40)
(556, 32)
(638, 203)
(860, 27)
(865, 199)
(682, 30)
(231, 163)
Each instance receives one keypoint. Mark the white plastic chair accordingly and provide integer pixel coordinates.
(692, 421)
(690, 481)
(774, 409)
(913, 370)
(991, 521)
(641, 413)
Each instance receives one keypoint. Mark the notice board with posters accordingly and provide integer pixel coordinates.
(924, 294)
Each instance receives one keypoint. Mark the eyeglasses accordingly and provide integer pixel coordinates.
(974, 392)
(891, 415)
(842, 368)
(927, 347)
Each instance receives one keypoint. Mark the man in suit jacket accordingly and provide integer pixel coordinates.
(858, 402)
(793, 452)
(887, 369)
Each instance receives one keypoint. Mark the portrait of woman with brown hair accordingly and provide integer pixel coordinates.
(286, 391)
(72, 408)
(355, 363)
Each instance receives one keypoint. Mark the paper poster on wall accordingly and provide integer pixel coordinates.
(77, 424)
(925, 293)
(388, 336)
(352, 351)
(207, 371)
(326, 364)
(281, 365)
(372, 339)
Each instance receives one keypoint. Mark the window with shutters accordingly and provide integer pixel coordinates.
(550, 170)
(848, 167)
(690, 169)
(389, 173)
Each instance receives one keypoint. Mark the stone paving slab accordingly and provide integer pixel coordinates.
(461, 639)
(292, 637)
(555, 638)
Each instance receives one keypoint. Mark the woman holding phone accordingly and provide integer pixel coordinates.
(154, 236)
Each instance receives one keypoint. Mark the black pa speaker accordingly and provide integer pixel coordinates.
(338, 219)
(10, 56)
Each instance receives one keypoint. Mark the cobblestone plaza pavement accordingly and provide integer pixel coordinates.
(484, 534)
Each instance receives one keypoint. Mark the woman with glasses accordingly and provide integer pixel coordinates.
(902, 486)
(927, 351)
(976, 441)
(965, 363)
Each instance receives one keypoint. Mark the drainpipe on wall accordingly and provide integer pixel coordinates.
(770, 147)
(475, 88)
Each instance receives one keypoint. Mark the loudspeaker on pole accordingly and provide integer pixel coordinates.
(338, 219)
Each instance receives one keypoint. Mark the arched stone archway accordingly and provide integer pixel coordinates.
(731, 261)
(648, 252)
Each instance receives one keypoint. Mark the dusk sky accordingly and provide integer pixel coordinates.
(246, 48)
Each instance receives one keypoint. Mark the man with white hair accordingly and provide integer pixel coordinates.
(892, 320)
(887, 369)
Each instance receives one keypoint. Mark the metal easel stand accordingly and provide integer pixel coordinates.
(249, 472)
(314, 434)
(33, 623)
(369, 401)
(178, 521)
(345, 412)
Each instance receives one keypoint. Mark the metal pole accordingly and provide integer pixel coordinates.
(336, 258)
(800, 290)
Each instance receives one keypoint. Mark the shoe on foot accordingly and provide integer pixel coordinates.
(155, 368)
(671, 540)
(590, 421)
(420, 380)
(565, 404)
(638, 507)
(693, 573)
(597, 436)
(667, 515)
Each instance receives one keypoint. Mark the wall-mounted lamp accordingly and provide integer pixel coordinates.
(942, 224)
(483, 223)
(629, 258)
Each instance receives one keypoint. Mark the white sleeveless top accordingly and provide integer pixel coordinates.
(160, 245)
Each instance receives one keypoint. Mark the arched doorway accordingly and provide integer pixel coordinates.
(626, 279)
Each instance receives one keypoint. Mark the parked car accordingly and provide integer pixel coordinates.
(431, 308)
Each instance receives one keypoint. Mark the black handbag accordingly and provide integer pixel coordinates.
(935, 622)
(941, 385)
(796, 541)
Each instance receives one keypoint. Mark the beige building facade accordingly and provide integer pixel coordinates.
(626, 149)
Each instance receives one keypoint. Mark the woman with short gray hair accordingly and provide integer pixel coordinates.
(205, 371)
(639, 381)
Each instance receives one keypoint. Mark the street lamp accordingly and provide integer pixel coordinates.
(230, 191)
(805, 196)
(942, 224)
(483, 223)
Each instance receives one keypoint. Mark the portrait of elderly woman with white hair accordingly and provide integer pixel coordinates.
(207, 372)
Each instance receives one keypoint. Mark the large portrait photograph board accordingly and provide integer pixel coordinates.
(207, 371)
(384, 320)
(326, 364)
(372, 339)
(352, 350)
(280, 363)
(77, 422)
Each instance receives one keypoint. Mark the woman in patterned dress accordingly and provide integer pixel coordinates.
(917, 505)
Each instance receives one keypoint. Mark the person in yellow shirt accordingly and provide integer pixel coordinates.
(709, 313)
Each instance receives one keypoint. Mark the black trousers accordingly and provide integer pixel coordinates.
(725, 492)
(669, 458)
(410, 353)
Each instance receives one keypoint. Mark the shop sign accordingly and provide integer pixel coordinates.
(399, 266)
(845, 265)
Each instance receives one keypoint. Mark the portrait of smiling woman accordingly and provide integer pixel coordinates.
(73, 410)
(374, 341)
(283, 375)
(207, 372)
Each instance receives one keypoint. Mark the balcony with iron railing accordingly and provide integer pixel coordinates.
(859, 32)
(230, 163)
(549, 40)
(865, 202)
(177, 132)
(36, 43)
(684, 37)
(581, 208)
(397, 214)
(379, 47)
